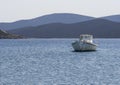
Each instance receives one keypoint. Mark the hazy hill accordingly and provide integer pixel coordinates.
(47, 19)
(98, 27)
(114, 18)
(5, 35)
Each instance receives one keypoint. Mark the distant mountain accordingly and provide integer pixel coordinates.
(47, 19)
(5, 35)
(100, 28)
(114, 18)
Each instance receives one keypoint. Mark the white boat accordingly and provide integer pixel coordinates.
(85, 43)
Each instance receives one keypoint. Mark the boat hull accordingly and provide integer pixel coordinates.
(84, 46)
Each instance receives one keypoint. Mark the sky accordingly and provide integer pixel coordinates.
(13, 10)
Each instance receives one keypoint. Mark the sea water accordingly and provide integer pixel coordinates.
(54, 62)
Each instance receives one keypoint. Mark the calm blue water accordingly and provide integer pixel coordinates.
(53, 62)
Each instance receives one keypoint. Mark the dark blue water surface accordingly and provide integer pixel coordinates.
(53, 62)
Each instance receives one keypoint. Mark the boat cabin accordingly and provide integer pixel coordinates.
(86, 37)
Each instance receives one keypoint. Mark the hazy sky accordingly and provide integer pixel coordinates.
(12, 10)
